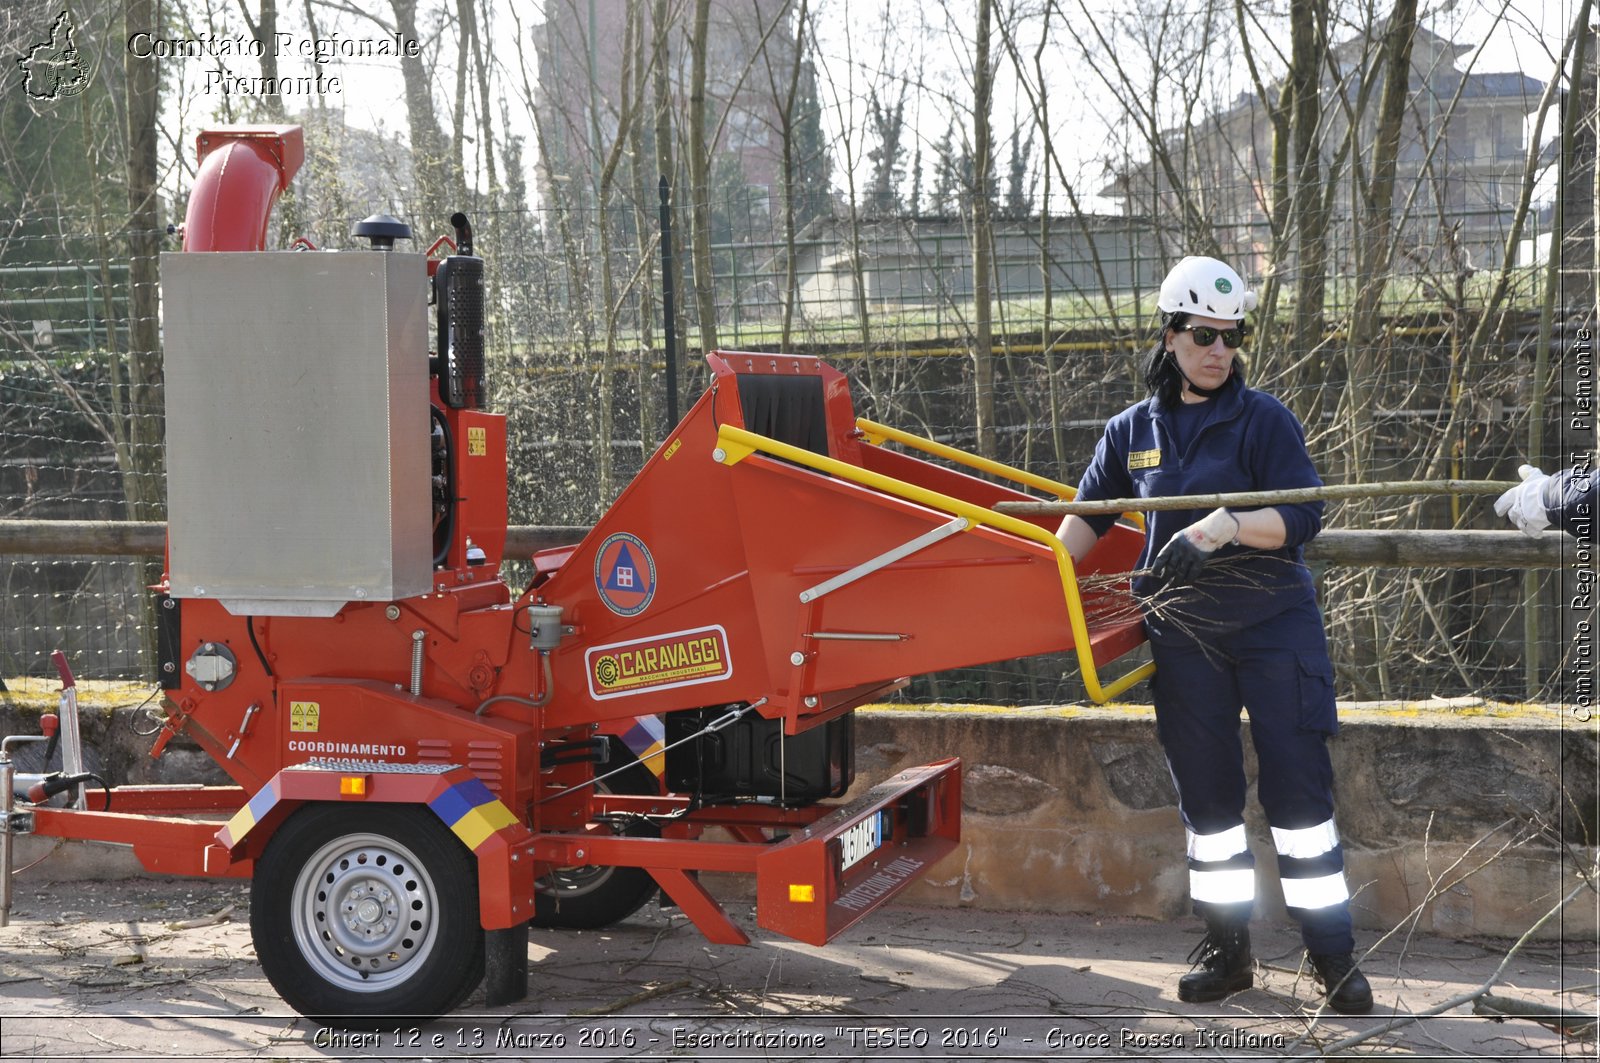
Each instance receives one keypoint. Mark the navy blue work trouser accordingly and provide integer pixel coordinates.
(1278, 671)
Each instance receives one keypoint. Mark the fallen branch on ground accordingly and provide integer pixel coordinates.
(637, 998)
(1470, 996)
(1571, 1023)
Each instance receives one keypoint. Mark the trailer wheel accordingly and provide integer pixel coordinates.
(363, 914)
(588, 898)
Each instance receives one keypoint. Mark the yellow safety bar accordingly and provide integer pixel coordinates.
(736, 444)
(876, 433)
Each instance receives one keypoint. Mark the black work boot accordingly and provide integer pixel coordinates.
(1221, 963)
(1347, 989)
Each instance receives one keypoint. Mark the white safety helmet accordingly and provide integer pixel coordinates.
(1204, 286)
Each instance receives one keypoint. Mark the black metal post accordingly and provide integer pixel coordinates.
(668, 303)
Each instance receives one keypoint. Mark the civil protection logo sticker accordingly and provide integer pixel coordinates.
(625, 574)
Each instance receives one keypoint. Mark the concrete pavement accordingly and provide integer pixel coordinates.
(121, 971)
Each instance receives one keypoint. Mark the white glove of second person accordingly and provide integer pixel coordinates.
(1524, 504)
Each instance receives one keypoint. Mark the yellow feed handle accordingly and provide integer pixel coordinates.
(876, 433)
(736, 444)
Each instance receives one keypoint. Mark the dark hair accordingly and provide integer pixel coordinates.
(1161, 374)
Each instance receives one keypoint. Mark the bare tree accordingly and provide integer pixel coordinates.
(662, 19)
(1308, 217)
(431, 155)
(610, 304)
(982, 233)
(700, 176)
(784, 85)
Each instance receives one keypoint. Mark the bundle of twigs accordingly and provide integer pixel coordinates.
(1109, 599)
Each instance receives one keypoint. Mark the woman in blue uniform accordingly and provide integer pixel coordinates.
(1233, 622)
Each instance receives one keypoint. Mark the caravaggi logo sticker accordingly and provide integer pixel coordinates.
(660, 662)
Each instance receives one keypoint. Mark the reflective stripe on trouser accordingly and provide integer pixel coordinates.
(1278, 671)
(1311, 867)
(1221, 868)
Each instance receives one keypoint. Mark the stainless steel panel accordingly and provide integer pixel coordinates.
(297, 428)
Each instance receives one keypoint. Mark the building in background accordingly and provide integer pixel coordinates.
(1459, 174)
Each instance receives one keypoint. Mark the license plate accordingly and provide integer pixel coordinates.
(862, 840)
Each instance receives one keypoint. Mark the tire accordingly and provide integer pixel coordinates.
(326, 915)
(589, 898)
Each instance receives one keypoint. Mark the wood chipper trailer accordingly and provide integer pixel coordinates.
(425, 759)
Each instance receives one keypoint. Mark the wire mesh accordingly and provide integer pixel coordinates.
(577, 365)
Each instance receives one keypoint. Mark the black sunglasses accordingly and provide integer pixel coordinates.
(1205, 335)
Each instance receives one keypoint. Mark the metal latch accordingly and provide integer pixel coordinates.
(212, 666)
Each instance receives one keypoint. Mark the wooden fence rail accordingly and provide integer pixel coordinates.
(1373, 549)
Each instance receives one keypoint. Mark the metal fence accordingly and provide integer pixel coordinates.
(889, 302)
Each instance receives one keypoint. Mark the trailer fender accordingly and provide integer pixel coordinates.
(502, 845)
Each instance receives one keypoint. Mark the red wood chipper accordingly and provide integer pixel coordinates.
(425, 759)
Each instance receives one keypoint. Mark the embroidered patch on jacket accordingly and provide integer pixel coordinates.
(1144, 459)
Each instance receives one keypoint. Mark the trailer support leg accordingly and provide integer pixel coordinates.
(701, 908)
(505, 965)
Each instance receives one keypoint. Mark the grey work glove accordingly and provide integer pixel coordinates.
(1186, 553)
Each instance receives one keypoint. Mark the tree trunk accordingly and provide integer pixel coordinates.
(666, 167)
(430, 161)
(982, 234)
(1375, 223)
(485, 118)
(605, 395)
(643, 192)
(1307, 217)
(700, 179)
(142, 471)
(791, 276)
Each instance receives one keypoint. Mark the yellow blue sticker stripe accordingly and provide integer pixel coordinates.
(254, 811)
(471, 811)
(647, 741)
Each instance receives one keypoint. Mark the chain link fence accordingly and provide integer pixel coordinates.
(577, 365)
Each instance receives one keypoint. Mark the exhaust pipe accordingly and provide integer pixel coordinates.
(243, 169)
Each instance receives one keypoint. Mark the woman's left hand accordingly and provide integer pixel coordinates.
(1186, 553)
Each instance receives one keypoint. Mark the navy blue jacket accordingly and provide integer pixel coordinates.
(1570, 499)
(1250, 443)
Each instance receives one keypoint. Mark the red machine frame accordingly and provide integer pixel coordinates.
(795, 582)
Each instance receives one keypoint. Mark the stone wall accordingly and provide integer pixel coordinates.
(1451, 817)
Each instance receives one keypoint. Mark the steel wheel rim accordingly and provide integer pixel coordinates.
(365, 910)
(574, 881)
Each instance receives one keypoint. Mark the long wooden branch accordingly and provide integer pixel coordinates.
(1381, 549)
(1330, 493)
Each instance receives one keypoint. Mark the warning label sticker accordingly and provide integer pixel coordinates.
(676, 659)
(305, 716)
